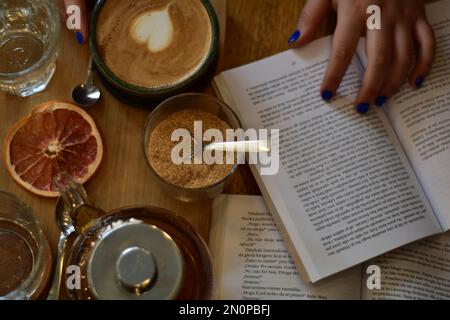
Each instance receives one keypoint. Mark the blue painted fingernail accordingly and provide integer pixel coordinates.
(419, 81)
(294, 37)
(327, 95)
(380, 101)
(363, 107)
(79, 37)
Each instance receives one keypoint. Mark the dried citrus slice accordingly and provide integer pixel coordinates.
(57, 138)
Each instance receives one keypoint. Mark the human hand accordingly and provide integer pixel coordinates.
(403, 48)
(81, 35)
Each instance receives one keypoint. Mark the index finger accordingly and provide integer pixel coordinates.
(345, 42)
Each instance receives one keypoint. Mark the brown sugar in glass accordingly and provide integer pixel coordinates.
(190, 176)
(25, 256)
(187, 182)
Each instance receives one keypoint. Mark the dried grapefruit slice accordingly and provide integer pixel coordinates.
(56, 138)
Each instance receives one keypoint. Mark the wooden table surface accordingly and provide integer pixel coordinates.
(255, 29)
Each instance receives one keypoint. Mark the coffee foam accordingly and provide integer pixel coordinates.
(154, 43)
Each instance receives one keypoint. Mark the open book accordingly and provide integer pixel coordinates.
(350, 187)
(252, 262)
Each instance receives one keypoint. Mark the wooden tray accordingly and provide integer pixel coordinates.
(123, 178)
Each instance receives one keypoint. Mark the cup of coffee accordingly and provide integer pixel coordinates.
(154, 49)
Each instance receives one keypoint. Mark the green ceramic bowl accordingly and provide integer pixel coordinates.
(155, 93)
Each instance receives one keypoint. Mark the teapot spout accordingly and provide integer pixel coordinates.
(83, 212)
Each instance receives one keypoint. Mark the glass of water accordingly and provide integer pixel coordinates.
(29, 35)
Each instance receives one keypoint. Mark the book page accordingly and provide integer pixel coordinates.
(252, 262)
(345, 191)
(422, 120)
(417, 271)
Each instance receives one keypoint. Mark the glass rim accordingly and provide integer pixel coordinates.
(147, 135)
(40, 242)
(55, 18)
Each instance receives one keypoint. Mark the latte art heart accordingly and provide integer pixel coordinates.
(155, 29)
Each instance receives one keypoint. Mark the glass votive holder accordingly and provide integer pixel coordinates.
(26, 260)
(190, 101)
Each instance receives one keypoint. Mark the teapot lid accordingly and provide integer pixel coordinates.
(135, 261)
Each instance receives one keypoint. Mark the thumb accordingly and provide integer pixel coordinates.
(313, 14)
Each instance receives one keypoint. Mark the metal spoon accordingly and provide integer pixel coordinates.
(65, 224)
(87, 94)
